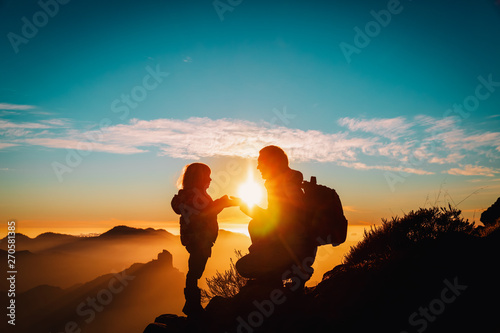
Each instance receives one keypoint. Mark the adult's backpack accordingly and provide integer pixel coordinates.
(327, 222)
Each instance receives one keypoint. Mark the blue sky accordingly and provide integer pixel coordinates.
(103, 104)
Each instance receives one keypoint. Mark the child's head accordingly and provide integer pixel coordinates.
(195, 175)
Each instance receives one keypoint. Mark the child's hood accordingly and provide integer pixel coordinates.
(177, 200)
(189, 197)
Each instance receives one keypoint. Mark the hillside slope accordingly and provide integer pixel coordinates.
(432, 272)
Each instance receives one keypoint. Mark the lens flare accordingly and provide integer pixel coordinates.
(250, 192)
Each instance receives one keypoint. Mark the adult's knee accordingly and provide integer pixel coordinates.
(243, 267)
(240, 267)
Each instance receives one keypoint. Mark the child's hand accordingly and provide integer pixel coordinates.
(226, 201)
(242, 204)
(235, 201)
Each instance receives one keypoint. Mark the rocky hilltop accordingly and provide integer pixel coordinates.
(429, 271)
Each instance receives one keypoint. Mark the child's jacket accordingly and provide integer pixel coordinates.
(198, 221)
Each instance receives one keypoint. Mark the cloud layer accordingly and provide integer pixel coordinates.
(422, 145)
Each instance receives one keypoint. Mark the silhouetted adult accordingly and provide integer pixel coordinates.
(279, 233)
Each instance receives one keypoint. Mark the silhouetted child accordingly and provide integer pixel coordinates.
(199, 227)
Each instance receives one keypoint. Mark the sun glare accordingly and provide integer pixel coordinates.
(250, 192)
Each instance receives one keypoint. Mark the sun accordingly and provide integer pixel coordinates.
(250, 192)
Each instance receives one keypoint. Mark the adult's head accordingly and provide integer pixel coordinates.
(272, 161)
(195, 175)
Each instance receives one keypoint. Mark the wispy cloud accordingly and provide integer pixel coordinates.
(449, 141)
(58, 122)
(8, 124)
(471, 142)
(400, 169)
(14, 133)
(473, 170)
(391, 128)
(7, 145)
(195, 138)
(83, 145)
(7, 106)
(451, 158)
(435, 125)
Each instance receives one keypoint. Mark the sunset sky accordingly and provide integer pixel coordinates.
(394, 104)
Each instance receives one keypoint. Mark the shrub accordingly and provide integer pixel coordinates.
(226, 284)
(400, 234)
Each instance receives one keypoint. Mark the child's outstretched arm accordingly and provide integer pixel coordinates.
(217, 206)
(223, 202)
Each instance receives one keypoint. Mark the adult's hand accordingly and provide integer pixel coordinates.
(235, 201)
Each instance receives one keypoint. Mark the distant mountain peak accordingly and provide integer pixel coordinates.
(165, 257)
(123, 230)
(48, 235)
(20, 237)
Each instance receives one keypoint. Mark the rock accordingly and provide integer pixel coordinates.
(168, 323)
(166, 258)
(491, 215)
(156, 328)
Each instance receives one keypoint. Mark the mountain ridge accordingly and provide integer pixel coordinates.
(84, 258)
(48, 308)
(116, 231)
